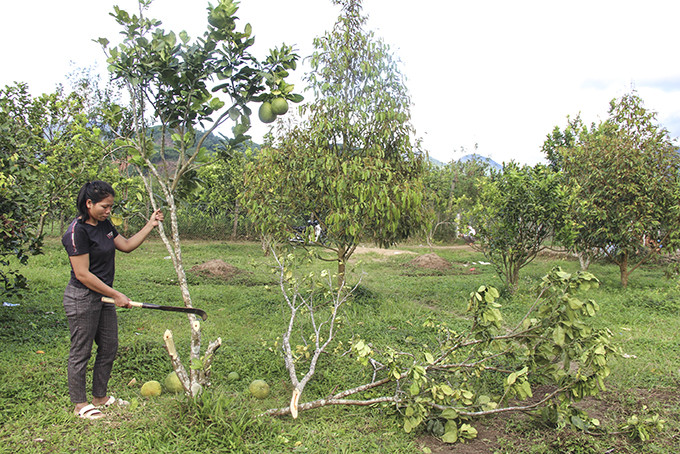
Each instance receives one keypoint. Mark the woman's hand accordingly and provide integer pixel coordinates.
(128, 245)
(156, 218)
(121, 300)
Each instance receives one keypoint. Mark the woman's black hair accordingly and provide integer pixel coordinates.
(94, 190)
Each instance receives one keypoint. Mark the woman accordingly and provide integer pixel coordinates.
(91, 241)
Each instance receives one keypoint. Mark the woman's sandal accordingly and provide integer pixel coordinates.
(113, 401)
(90, 412)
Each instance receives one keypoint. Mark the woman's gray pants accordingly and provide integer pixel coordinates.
(89, 320)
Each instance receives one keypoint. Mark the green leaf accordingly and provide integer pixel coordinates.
(526, 389)
(449, 413)
(446, 389)
(467, 431)
(451, 432)
(558, 336)
(575, 303)
(577, 422)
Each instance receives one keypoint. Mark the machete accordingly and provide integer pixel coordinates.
(186, 310)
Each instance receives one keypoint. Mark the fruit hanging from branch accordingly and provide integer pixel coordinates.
(265, 113)
(279, 106)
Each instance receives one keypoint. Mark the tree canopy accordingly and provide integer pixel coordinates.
(519, 210)
(351, 162)
(626, 173)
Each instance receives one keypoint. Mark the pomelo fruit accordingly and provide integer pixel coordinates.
(151, 388)
(172, 383)
(279, 106)
(265, 113)
(259, 389)
(233, 376)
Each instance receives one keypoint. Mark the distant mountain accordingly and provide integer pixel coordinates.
(475, 157)
(436, 162)
(471, 157)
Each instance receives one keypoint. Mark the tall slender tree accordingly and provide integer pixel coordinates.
(351, 163)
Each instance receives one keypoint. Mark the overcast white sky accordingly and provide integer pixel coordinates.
(497, 73)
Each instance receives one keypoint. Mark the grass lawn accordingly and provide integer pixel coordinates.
(248, 313)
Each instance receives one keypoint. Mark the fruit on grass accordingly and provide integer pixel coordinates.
(279, 106)
(259, 389)
(151, 388)
(265, 113)
(233, 376)
(172, 383)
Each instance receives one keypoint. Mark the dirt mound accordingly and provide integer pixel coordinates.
(430, 261)
(216, 268)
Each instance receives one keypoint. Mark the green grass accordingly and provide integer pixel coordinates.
(248, 313)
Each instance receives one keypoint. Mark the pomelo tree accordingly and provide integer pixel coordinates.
(49, 149)
(71, 151)
(520, 209)
(351, 162)
(626, 172)
(171, 80)
(19, 186)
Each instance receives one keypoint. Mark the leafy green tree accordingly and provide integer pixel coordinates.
(350, 162)
(626, 173)
(220, 186)
(519, 210)
(554, 146)
(451, 191)
(20, 187)
(169, 78)
(70, 150)
(559, 140)
(52, 147)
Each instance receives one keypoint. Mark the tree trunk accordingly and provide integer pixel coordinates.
(41, 225)
(234, 226)
(342, 253)
(623, 268)
(512, 276)
(197, 377)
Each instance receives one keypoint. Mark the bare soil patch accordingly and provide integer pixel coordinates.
(217, 269)
(431, 262)
(520, 433)
(380, 251)
(432, 265)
